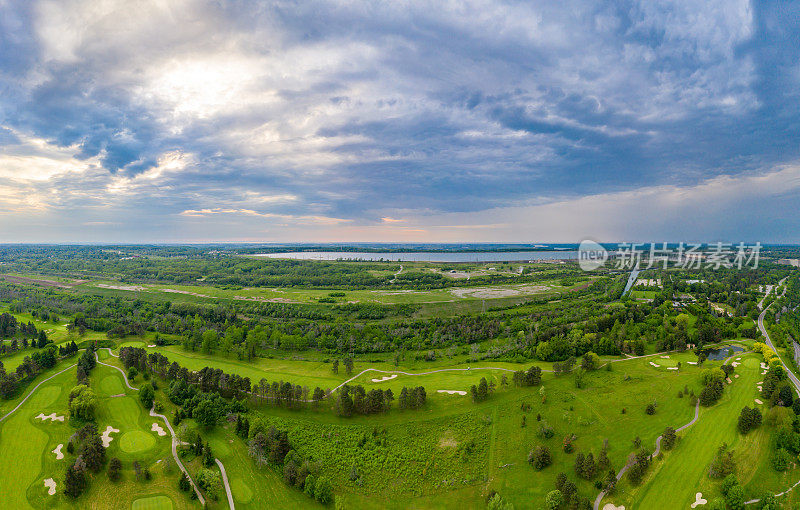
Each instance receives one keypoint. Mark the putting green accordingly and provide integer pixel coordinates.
(111, 385)
(241, 492)
(136, 441)
(153, 503)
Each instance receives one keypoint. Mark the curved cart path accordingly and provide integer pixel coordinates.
(175, 443)
(227, 486)
(32, 390)
(658, 439)
(654, 454)
(124, 375)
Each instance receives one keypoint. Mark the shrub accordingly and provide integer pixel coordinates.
(114, 469)
(554, 499)
(540, 457)
(780, 459)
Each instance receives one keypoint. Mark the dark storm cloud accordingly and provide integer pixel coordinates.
(282, 111)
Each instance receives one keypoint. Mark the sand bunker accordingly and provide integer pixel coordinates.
(672, 368)
(759, 402)
(692, 362)
(735, 376)
(58, 453)
(729, 380)
(51, 417)
(667, 356)
(157, 428)
(735, 364)
(612, 506)
(452, 392)
(51, 486)
(385, 378)
(106, 436)
(698, 500)
(654, 364)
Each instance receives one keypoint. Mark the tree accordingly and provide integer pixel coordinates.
(147, 395)
(335, 366)
(93, 452)
(498, 503)
(114, 469)
(650, 409)
(82, 402)
(638, 467)
(208, 456)
(184, 484)
(323, 492)
(206, 413)
(785, 397)
(483, 389)
(749, 419)
(668, 438)
(728, 483)
(735, 498)
(554, 499)
(540, 457)
(74, 482)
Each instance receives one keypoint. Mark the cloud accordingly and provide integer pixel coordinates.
(354, 114)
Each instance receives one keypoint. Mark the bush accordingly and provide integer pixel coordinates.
(323, 492)
(554, 499)
(114, 469)
(780, 459)
(540, 457)
(668, 438)
(650, 409)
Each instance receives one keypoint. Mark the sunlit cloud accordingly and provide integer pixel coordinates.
(190, 119)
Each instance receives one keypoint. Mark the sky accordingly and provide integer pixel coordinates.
(399, 121)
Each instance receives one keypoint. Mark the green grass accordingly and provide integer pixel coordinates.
(683, 472)
(153, 503)
(311, 296)
(136, 441)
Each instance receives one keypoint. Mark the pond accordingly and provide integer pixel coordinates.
(724, 352)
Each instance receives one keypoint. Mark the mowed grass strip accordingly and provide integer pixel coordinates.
(21, 445)
(153, 503)
(674, 481)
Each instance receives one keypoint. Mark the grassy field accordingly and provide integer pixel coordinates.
(310, 296)
(676, 478)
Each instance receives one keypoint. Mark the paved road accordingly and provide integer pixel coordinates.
(792, 377)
